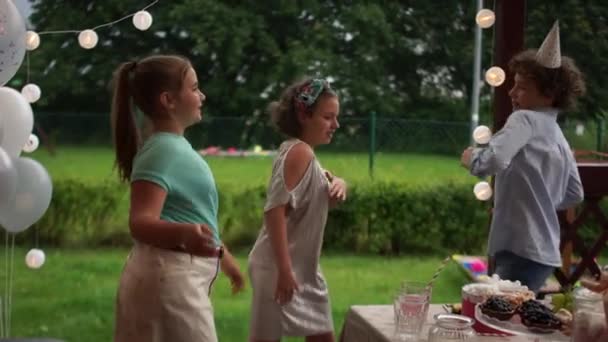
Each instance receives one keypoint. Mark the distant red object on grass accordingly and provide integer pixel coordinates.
(211, 150)
(235, 152)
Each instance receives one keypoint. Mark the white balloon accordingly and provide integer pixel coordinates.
(12, 41)
(35, 258)
(142, 20)
(32, 197)
(32, 144)
(8, 179)
(483, 191)
(16, 121)
(31, 92)
(482, 134)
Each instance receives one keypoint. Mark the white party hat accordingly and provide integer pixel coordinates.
(549, 55)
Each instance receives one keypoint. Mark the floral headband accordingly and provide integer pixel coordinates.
(309, 92)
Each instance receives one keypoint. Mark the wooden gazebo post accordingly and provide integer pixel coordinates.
(508, 41)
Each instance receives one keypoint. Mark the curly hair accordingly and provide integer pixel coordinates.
(284, 112)
(564, 84)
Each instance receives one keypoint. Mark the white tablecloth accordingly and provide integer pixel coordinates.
(375, 323)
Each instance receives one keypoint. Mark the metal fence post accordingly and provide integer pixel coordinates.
(372, 142)
(476, 77)
(601, 126)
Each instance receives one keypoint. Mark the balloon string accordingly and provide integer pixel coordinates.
(27, 62)
(10, 294)
(4, 303)
(1, 319)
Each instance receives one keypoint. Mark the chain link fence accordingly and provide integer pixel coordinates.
(372, 134)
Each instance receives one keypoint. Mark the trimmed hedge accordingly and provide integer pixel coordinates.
(84, 214)
(393, 218)
(384, 218)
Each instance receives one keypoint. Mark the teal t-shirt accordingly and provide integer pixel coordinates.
(169, 161)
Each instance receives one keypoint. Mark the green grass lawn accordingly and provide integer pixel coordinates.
(95, 163)
(72, 296)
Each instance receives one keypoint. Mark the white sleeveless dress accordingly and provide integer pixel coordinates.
(309, 312)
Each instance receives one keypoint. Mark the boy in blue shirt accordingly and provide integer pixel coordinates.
(536, 173)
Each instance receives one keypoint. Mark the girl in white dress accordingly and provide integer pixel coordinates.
(290, 296)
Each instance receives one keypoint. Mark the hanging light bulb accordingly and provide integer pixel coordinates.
(580, 129)
(482, 135)
(31, 92)
(31, 144)
(483, 191)
(32, 40)
(35, 258)
(485, 18)
(142, 20)
(87, 39)
(495, 76)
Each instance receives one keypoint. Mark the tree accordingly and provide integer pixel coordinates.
(584, 37)
(399, 58)
(246, 51)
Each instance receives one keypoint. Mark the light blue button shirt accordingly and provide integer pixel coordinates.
(536, 174)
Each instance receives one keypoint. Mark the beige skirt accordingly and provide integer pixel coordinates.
(163, 297)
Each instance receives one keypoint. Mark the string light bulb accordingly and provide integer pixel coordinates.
(31, 144)
(32, 40)
(142, 20)
(35, 258)
(485, 18)
(31, 92)
(88, 39)
(495, 76)
(483, 191)
(482, 135)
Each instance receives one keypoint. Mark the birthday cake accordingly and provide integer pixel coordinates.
(500, 299)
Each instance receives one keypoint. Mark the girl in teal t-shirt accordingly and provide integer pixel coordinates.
(164, 287)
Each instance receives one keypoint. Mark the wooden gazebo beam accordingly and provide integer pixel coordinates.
(508, 41)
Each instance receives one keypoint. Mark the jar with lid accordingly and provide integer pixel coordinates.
(451, 328)
(589, 318)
